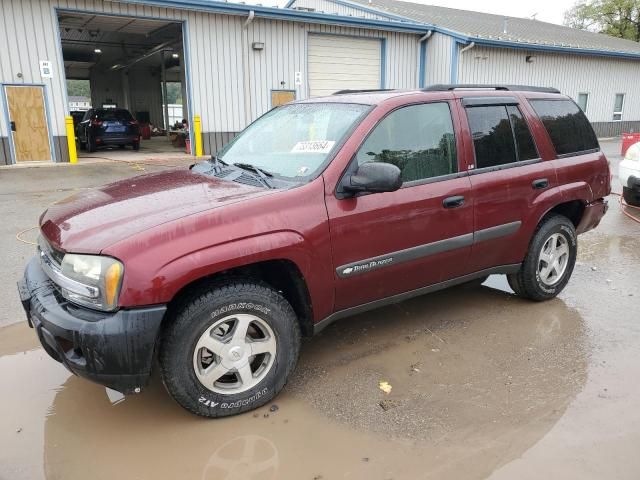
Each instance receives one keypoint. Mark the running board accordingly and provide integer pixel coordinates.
(365, 307)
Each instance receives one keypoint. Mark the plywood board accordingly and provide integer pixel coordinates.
(27, 112)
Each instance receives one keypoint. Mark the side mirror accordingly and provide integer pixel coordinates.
(373, 177)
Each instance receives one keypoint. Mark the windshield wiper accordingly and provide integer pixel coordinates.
(217, 163)
(263, 174)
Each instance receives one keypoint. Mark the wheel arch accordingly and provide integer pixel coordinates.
(281, 274)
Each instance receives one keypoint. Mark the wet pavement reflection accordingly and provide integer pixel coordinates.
(484, 384)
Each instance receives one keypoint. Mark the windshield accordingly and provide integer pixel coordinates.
(293, 141)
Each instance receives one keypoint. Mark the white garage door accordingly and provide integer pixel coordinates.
(339, 63)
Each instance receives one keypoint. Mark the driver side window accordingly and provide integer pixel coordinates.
(418, 139)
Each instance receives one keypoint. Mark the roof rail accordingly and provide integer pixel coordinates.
(473, 86)
(373, 90)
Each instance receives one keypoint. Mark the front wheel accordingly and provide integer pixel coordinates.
(229, 349)
(549, 262)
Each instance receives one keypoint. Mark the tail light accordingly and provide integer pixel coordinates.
(96, 123)
(133, 122)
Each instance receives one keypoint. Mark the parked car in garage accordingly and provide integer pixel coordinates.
(77, 116)
(319, 210)
(102, 127)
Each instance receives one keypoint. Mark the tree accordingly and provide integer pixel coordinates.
(78, 88)
(618, 18)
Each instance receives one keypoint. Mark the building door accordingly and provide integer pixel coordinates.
(339, 63)
(29, 129)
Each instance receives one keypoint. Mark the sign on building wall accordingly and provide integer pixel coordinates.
(46, 70)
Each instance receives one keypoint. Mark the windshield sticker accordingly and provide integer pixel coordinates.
(313, 146)
(302, 171)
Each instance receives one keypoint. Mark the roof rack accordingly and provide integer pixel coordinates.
(473, 86)
(373, 90)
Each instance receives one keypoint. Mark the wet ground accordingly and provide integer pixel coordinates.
(484, 384)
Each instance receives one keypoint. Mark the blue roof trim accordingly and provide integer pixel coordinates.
(284, 14)
(552, 48)
(493, 42)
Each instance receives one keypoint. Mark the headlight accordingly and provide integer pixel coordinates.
(102, 274)
(633, 153)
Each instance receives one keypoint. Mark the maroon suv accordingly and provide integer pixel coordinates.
(319, 210)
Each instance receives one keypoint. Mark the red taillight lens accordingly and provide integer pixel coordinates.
(96, 123)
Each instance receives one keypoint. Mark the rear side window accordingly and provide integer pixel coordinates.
(567, 125)
(418, 139)
(113, 115)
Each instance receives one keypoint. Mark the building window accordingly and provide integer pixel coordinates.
(618, 107)
(418, 139)
(583, 100)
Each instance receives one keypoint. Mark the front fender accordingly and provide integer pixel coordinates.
(141, 286)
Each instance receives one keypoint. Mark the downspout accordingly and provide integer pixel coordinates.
(422, 61)
(249, 19)
(468, 47)
(455, 64)
(246, 68)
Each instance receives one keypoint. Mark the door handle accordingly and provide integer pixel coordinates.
(13, 126)
(540, 183)
(453, 202)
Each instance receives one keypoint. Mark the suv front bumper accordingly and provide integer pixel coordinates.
(113, 349)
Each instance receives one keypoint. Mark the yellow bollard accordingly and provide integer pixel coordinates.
(71, 139)
(197, 134)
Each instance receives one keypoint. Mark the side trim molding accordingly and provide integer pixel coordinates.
(322, 324)
(401, 256)
(496, 232)
(374, 263)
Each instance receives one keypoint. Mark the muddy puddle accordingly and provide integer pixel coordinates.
(478, 376)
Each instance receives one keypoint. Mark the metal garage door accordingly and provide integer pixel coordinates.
(338, 63)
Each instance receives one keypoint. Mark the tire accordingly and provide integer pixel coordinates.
(122, 147)
(91, 145)
(535, 280)
(83, 145)
(183, 360)
(136, 146)
(631, 197)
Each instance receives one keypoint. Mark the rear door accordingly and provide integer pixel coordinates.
(508, 178)
(115, 122)
(388, 243)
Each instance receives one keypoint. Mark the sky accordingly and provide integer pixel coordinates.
(546, 10)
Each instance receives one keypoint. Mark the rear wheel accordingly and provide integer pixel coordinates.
(549, 262)
(121, 147)
(136, 146)
(230, 349)
(91, 144)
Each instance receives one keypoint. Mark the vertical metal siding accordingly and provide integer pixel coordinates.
(438, 59)
(600, 77)
(230, 83)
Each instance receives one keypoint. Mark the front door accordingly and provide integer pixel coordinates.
(389, 243)
(28, 123)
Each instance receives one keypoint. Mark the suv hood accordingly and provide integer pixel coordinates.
(90, 221)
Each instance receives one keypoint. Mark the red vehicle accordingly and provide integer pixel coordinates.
(319, 210)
